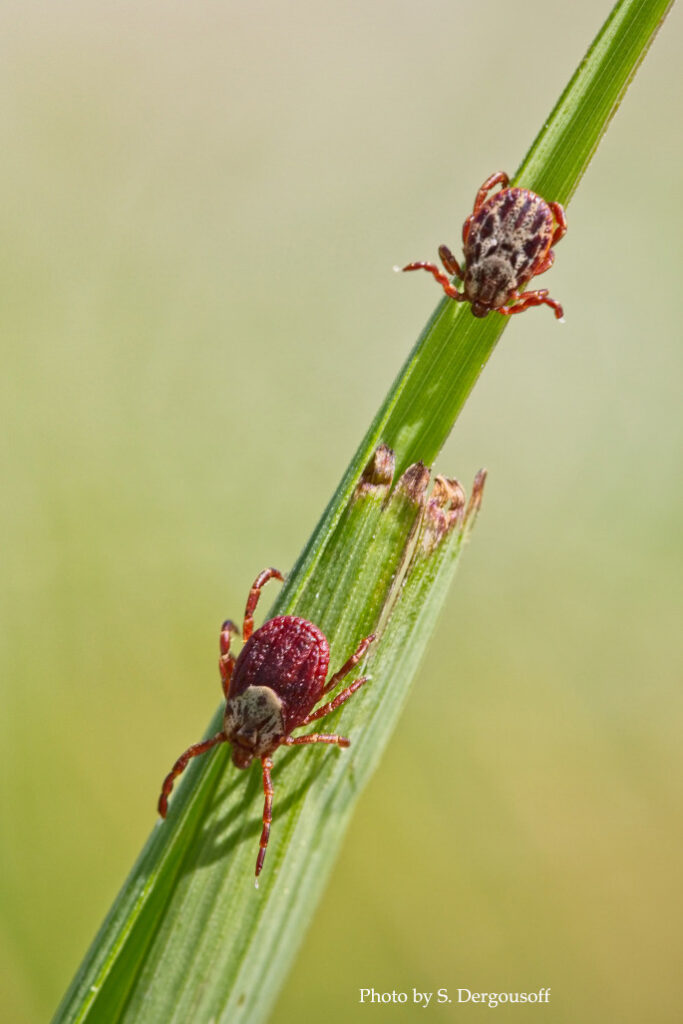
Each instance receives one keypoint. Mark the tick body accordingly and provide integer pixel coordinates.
(507, 239)
(270, 690)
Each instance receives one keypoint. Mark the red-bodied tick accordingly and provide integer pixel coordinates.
(271, 689)
(507, 239)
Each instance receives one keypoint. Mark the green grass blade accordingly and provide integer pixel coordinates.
(188, 938)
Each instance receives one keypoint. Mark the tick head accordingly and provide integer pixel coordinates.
(479, 309)
(253, 724)
(241, 756)
(488, 284)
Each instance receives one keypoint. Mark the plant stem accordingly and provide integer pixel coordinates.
(188, 938)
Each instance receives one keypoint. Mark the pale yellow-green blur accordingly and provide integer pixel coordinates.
(201, 207)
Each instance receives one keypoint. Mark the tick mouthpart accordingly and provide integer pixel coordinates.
(480, 310)
(241, 756)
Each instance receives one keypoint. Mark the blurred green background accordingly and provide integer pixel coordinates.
(202, 205)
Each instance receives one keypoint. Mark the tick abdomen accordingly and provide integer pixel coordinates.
(286, 652)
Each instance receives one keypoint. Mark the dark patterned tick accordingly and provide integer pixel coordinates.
(270, 690)
(507, 239)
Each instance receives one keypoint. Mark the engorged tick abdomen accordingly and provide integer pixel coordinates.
(507, 239)
(291, 656)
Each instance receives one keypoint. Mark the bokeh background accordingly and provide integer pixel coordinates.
(201, 207)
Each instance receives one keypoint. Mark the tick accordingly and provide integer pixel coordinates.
(270, 690)
(507, 239)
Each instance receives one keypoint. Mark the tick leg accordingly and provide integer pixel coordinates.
(440, 277)
(226, 662)
(527, 299)
(545, 264)
(560, 220)
(266, 765)
(316, 737)
(450, 263)
(332, 705)
(499, 178)
(252, 600)
(351, 663)
(181, 765)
